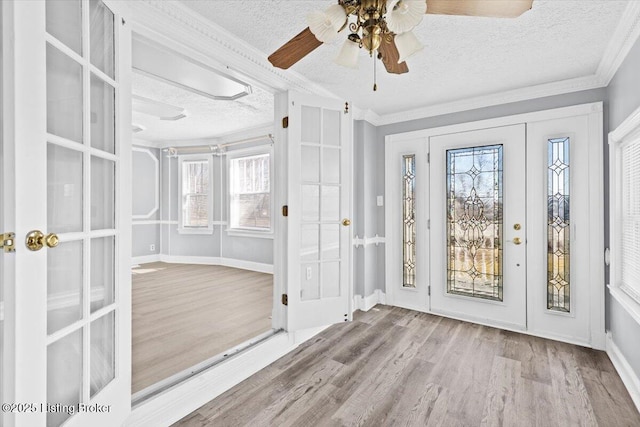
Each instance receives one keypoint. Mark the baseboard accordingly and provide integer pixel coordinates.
(628, 376)
(368, 302)
(203, 260)
(247, 265)
(174, 404)
(145, 259)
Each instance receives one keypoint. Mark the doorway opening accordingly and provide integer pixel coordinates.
(203, 223)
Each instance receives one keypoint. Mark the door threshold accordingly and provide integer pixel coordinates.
(175, 379)
(173, 403)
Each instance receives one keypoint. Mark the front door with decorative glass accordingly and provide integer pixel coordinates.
(478, 225)
(499, 223)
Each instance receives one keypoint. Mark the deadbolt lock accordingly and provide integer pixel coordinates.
(36, 240)
(517, 226)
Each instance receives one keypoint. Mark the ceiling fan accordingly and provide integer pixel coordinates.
(382, 26)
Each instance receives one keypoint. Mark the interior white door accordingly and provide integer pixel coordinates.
(319, 141)
(478, 229)
(66, 106)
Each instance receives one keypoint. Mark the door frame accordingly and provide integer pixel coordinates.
(594, 111)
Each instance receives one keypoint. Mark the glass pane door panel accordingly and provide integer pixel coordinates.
(331, 279)
(309, 242)
(64, 285)
(474, 222)
(101, 37)
(331, 165)
(310, 164)
(103, 97)
(330, 241)
(102, 272)
(64, 189)
(311, 125)
(64, 22)
(64, 377)
(330, 203)
(408, 221)
(331, 127)
(102, 193)
(64, 95)
(310, 203)
(102, 352)
(310, 283)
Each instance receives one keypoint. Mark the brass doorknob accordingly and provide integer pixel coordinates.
(36, 240)
(346, 222)
(516, 241)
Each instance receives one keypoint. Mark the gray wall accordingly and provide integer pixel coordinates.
(623, 96)
(365, 209)
(144, 176)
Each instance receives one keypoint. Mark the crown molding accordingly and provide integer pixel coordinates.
(175, 24)
(624, 37)
(506, 97)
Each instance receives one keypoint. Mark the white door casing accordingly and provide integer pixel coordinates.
(318, 234)
(33, 145)
(582, 124)
(510, 310)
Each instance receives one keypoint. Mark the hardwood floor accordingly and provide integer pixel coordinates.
(185, 314)
(396, 367)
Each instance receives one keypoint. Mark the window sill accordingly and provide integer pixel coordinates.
(195, 230)
(249, 233)
(630, 304)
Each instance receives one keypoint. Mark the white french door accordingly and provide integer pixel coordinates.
(478, 212)
(502, 224)
(66, 111)
(319, 141)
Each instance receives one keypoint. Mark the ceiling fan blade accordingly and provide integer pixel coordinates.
(389, 55)
(294, 50)
(490, 8)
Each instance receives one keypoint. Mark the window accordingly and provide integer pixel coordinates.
(250, 192)
(624, 143)
(195, 195)
(630, 224)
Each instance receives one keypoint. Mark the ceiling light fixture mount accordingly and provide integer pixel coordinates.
(384, 28)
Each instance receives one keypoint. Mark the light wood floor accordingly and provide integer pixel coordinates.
(396, 367)
(185, 314)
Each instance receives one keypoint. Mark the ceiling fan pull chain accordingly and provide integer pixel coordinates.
(375, 76)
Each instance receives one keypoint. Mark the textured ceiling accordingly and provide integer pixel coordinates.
(206, 118)
(463, 56)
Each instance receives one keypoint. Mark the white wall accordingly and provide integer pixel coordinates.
(145, 194)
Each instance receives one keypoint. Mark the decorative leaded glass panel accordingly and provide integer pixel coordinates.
(474, 222)
(408, 221)
(558, 286)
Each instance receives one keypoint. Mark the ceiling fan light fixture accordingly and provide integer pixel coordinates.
(325, 24)
(350, 52)
(408, 45)
(404, 15)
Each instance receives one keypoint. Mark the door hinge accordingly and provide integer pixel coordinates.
(285, 122)
(346, 108)
(8, 242)
(428, 157)
(285, 210)
(285, 299)
(428, 224)
(429, 290)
